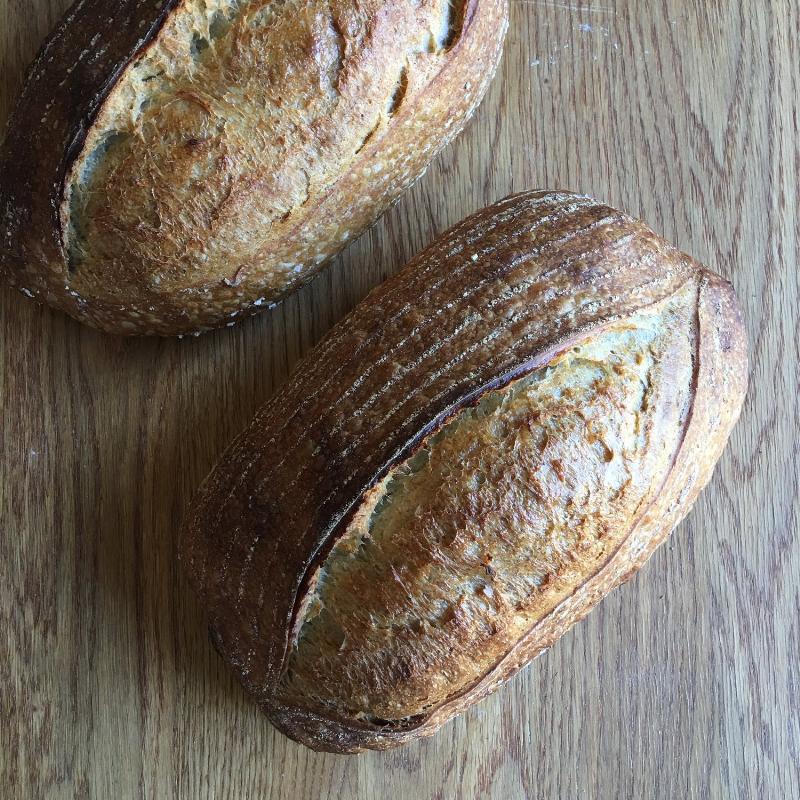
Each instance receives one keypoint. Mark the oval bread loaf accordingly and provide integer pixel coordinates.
(174, 165)
(463, 467)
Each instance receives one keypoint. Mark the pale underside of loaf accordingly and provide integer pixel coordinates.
(495, 520)
(202, 189)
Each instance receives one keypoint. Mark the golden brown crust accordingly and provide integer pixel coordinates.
(494, 521)
(216, 159)
(502, 295)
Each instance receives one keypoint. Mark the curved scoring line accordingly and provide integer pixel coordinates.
(480, 232)
(483, 683)
(526, 367)
(409, 368)
(443, 371)
(430, 322)
(492, 277)
(508, 376)
(78, 134)
(519, 206)
(466, 380)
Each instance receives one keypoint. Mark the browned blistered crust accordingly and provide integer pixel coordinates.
(172, 167)
(510, 291)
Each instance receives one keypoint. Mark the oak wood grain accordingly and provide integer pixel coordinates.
(684, 683)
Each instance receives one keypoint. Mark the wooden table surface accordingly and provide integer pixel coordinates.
(683, 684)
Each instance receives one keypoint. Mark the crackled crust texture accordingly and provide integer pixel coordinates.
(464, 467)
(203, 158)
(519, 499)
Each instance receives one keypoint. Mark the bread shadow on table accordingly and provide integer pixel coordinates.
(183, 430)
(192, 398)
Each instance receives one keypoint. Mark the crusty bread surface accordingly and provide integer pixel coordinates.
(490, 443)
(172, 167)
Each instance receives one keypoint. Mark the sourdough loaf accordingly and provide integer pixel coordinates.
(463, 467)
(174, 165)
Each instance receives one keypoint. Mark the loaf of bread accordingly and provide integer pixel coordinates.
(463, 467)
(173, 165)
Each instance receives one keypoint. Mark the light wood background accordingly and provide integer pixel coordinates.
(682, 684)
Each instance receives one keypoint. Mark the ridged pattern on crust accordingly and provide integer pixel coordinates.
(230, 153)
(497, 297)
